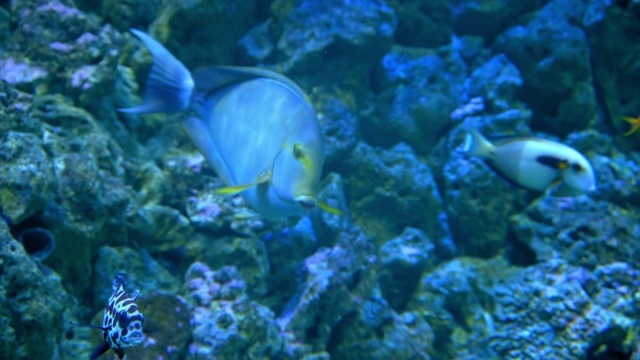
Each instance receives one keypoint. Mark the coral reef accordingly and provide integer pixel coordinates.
(390, 190)
(552, 55)
(337, 280)
(486, 309)
(225, 322)
(417, 96)
(33, 304)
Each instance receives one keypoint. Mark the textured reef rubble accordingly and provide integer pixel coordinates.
(436, 256)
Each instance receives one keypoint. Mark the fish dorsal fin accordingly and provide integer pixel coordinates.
(215, 77)
(265, 177)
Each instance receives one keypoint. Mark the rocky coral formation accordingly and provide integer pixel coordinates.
(553, 55)
(588, 233)
(225, 322)
(423, 23)
(403, 260)
(489, 310)
(390, 190)
(33, 304)
(609, 25)
(337, 280)
(169, 327)
(417, 95)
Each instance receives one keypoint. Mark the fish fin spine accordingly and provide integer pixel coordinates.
(170, 86)
(330, 209)
(232, 190)
(263, 178)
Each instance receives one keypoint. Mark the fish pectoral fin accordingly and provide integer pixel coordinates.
(231, 190)
(559, 189)
(330, 209)
(553, 187)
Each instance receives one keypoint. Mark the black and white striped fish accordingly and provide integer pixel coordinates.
(122, 321)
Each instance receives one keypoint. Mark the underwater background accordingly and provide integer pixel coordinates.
(435, 257)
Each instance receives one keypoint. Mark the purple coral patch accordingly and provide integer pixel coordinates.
(19, 72)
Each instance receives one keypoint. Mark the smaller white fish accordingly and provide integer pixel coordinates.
(535, 164)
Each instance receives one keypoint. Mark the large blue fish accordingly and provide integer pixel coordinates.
(256, 127)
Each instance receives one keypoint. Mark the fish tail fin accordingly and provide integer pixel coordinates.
(634, 122)
(169, 85)
(477, 145)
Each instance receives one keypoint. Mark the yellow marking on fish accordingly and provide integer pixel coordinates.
(563, 165)
(231, 190)
(635, 124)
(299, 154)
(330, 209)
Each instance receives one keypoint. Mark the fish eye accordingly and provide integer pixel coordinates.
(577, 167)
(297, 151)
(123, 319)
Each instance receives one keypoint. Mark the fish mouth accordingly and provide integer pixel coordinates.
(306, 202)
(133, 339)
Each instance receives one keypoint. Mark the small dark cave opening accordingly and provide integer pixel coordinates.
(518, 253)
(399, 285)
(338, 333)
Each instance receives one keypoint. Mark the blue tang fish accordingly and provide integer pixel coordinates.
(535, 164)
(256, 127)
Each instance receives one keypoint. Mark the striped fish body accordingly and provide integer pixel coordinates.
(122, 321)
